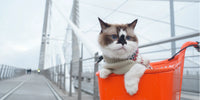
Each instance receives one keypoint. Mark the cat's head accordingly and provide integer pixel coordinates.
(118, 40)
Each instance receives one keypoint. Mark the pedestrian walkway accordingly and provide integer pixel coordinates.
(65, 96)
(190, 96)
(34, 87)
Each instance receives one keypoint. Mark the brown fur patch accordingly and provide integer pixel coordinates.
(105, 35)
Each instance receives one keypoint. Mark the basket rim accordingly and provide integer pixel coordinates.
(148, 71)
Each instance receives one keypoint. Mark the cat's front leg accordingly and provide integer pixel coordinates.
(105, 72)
(132, 78)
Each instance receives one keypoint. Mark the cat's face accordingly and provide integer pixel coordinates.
(118, 40)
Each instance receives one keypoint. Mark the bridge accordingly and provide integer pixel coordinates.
(69, 50)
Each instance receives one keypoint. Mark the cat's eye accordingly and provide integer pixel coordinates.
(114, 37)
(128, 38)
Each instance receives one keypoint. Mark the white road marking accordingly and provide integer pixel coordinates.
(11, 91)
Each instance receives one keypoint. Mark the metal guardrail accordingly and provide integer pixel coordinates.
(83, 80)
(7, 71)
(176, 38)
(86, 80)
(56, 75)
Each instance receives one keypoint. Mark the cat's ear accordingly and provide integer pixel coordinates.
(133, 24)
(103, 24)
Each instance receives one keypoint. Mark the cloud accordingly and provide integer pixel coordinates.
(19, 48)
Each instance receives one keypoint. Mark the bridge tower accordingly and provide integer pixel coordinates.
(75, 43)
(44, 41)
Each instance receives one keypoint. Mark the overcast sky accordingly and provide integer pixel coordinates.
(21, 23)
(20, 31)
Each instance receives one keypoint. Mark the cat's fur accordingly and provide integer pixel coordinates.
(119, 41)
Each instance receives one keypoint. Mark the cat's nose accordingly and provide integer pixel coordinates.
(122, 40)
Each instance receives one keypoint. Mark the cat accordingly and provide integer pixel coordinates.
(119, 46)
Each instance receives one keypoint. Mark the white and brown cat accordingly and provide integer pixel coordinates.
(119, 46)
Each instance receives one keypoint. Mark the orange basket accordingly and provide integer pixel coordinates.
(163, 82)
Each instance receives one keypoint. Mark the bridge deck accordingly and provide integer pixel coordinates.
(35, 87)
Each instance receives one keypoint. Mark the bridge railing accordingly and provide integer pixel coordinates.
(83, 74)
(7, 71)
(158, 44)
(79, 76)
(84, 79)
(190, 75)
(56, 74)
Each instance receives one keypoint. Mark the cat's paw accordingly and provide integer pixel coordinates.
(146, 61)
(132, 78)
(104, 73)
(132, 86)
